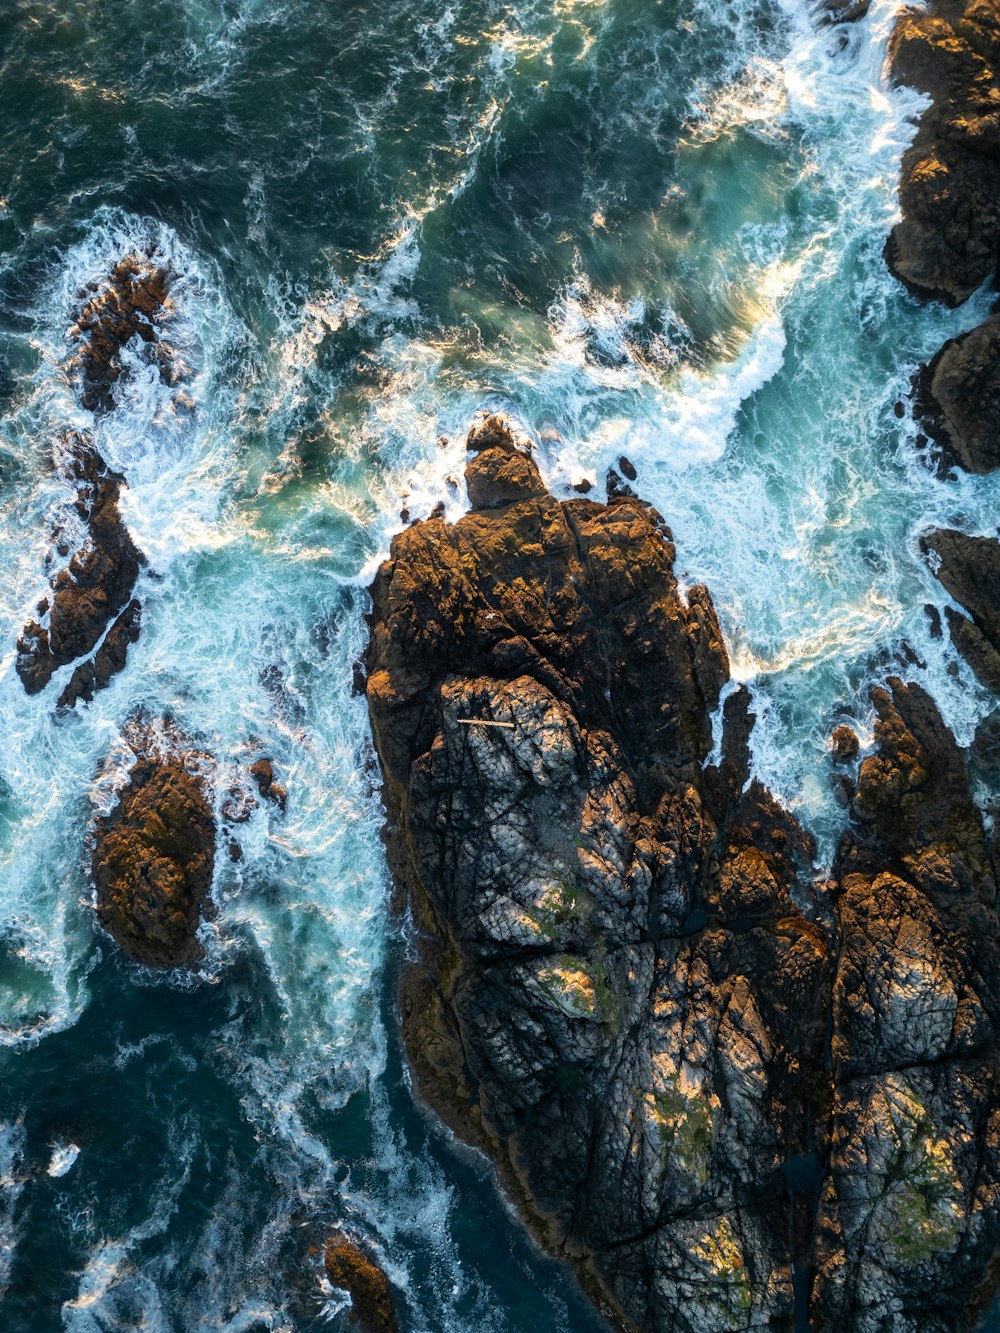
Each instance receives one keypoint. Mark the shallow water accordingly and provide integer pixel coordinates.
(639, 228)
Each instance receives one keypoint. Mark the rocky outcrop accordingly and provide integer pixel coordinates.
(90, 604)
(154, 854)
(350, 1269)
(958, 398)
(969, 568)
(909, 1219)
(133, 303)
(679, 1051)
(948, 239)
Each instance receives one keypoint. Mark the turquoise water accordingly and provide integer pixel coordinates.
(639, 228)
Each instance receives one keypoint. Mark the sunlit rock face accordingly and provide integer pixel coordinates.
(154, 852)
(710, 1085)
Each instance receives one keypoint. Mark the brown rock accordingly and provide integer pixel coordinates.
(947, 242)
(153, 857)
(90, 593)
(844, 744)
(349, 1268)
(262, 773)
(133, 302)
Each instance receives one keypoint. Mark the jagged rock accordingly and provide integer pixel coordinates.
(969, 568)
(616, 992)
(909, 1219)
(350, 1268)
(132, 303)
(947, 242)
(958, 398)
(726, 1113)
(91, 593)
(154, 854)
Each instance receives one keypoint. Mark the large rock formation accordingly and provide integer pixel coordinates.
(620, 994)
(90, 602)
(948, 239)
(909, 1219)
(154, 853)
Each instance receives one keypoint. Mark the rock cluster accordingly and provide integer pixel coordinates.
(945, 246)
(90, 604)
(699, 1078)
(133, 302)
(154, 854)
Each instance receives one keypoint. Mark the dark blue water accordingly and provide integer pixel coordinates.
(639, 226)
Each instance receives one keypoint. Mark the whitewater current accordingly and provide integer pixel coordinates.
(640, 228)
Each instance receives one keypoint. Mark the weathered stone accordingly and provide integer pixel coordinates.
(91, 593)
(844, 744)
(132, 303)
(947, 242)
(262, 772)
(958, 398)
(705, 1099)
(350, 1269)
(154, 854)
(969, 568)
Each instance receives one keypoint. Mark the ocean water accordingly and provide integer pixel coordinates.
(649, 228)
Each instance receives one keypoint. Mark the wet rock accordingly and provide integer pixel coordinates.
(133, 303)
(969, 568)
(908, 1222)
(154, 854)
(700, 1095)
(958, 398)
(844, 744)
(843, 11)
(947, 241)
(90, 594)
(616, 994)
(350, 1268)
(262, 773)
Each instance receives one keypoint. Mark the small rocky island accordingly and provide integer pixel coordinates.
(731, 1097)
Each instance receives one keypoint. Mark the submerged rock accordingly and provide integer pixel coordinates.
(682, 1075)
(154, 854)
(133, 302)
(92, 594)
(350, 1268)
(948, 239)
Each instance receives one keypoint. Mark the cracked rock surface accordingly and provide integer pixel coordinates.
(732, 1101)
